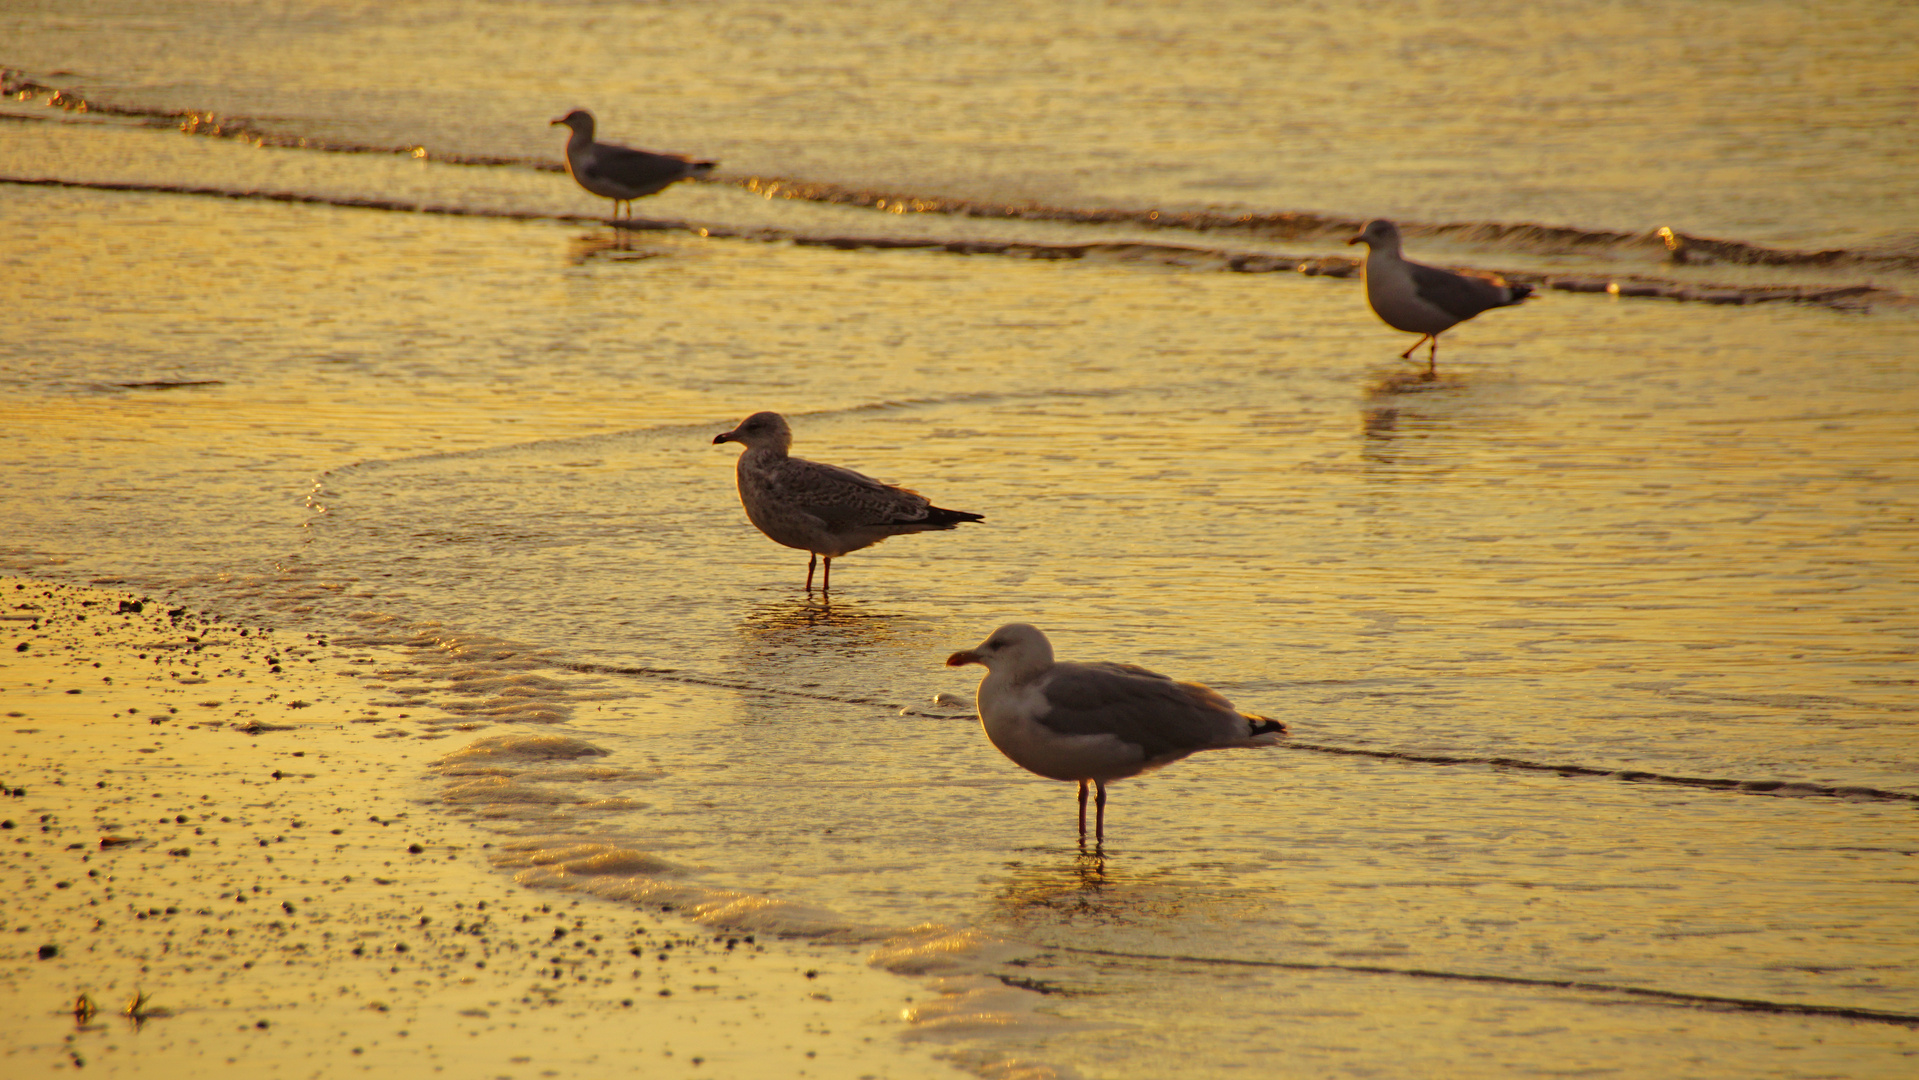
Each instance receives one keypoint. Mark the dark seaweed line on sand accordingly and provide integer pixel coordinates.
(670, 675)
(1672, 997)
(1743, 787)
(1749, 787)
(1849, 297)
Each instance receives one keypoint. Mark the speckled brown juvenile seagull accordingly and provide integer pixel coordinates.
(822, 509)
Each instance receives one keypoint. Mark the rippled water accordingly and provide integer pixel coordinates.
(1598, 649)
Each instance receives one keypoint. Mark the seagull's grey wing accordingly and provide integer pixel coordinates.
(1124, 669)
(1458, 295)
(636, 168)
(1160, 716)
(844, 499)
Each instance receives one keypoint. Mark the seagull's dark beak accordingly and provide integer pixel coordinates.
(724, 436)
(561, 120)
(963, 658)
(1360, 239)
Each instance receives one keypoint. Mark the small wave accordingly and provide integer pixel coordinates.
(522, 748)
(636, 877)
(1665, 244)
(942, 950)
(1844, 298)
(1669, 244)
(1748, 787)
(257, 131)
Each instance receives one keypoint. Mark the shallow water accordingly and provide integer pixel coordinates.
(1597, 649)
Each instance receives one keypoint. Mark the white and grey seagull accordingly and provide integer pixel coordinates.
(1096, 723)
(822, 509)
(1421, 299)
(620, 173)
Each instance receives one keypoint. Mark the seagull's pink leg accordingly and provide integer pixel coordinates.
(1408, 354)
(1082, 810)
(811, 561)
(1099, 828)
(826, 579)
(1432, 358)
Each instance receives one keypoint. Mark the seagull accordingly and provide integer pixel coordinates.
(1421, 299)
(618, 173)
(822, 509)
(1097, 722)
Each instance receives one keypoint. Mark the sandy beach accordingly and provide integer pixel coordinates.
(216, 860)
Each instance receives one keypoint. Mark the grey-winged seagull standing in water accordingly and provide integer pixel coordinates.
(1100, 722)
(1422, 299)
(822, 509)
(617, 172)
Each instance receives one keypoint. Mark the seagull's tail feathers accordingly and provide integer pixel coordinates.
(700, 168)
(1516, 293)
(939, 518)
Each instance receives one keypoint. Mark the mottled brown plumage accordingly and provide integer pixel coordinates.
(822, 509)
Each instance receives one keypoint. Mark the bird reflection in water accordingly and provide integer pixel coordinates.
(1088, 886)
(1397, 381)
(1064, 890)
(1387, 431)
(810, 621)
(1387, 418)
(1380, 423)
(616, 245)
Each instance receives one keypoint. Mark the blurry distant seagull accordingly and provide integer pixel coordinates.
(1097, 722)
(1422, 299)
(617, 173)
(822, 509)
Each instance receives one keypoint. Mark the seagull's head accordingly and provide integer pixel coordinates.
(1016, 648)
(762, 429)
(1379, 234)
(579, 120)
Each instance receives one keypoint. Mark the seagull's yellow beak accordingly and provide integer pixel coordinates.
(963, 658)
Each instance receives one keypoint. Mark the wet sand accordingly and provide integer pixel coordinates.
(215, 858)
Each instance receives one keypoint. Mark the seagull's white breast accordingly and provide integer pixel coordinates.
(1011, 715)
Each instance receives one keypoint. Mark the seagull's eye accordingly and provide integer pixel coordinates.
(996, 644)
